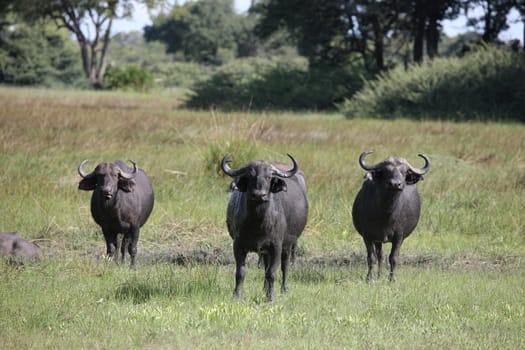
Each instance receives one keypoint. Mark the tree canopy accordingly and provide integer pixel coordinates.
(203, 31)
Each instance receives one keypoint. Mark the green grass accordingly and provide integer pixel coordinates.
(87, 304)
(461, 285)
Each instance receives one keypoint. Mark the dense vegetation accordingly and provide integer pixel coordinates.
(488, 83)
(280, 55)
(460, 282)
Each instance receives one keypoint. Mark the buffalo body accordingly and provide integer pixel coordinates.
(267, 213)
(387, 207)
(121, 203)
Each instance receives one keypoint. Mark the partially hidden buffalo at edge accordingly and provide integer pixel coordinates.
(121, 203)
(13, 245)
(267, 213)
(387, 207)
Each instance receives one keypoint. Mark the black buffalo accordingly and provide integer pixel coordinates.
(12, 244)
(121, 203)
(267, 213)
(387, 207)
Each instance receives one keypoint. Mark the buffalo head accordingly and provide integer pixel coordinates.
(394, 173)
(259, 178)
(107, 178)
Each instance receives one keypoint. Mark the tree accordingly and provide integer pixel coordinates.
(203, 31)
(90, 21)
(494, 17)
(520, 6)
(41, 55)
(425, 23)
(329, 32)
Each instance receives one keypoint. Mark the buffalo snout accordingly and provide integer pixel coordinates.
(107, 193)
(397, 185)
(259, 196)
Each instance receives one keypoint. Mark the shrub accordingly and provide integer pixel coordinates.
(486, 84)
(274, 84)
(130, 77)
(38, 56)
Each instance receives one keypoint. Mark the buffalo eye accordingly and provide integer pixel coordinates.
(378, 174)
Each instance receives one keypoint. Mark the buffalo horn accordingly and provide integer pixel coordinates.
(80, 171)
(287, 173)
(424, 169)
(229, 171)
(127, 175)
(363, 163)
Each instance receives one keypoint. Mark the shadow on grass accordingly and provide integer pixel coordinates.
(137, 293)
(168, 283)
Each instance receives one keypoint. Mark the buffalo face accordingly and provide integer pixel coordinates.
(107, 178)
(394, 173)
(258, 179)
(259, 182)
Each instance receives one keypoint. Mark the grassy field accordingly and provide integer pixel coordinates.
(461, 282)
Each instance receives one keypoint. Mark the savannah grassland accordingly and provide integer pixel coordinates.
(461, 284)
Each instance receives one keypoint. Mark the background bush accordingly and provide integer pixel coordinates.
(38, 56)
(279, 83)
(129, 77)
(488, 83)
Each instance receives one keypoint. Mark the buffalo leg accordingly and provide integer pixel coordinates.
(119, 248)
(131, 242)
(370, 259)
(285, 262)
(379, 257)
(271, 270)
(240, 268)
(394, 254)
(124, 243)
(293, 252)
(111, 243)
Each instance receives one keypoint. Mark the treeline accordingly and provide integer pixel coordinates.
(282, 54)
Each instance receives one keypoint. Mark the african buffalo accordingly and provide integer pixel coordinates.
(387, 207)
(266, 213)
(12, 244)
(121, 203)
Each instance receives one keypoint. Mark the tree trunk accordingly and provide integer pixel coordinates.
(92, 50)
(432, 32)
(488, 30)
(378, 43)
(419, 31)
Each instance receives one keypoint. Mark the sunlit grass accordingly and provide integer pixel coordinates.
(461, 285)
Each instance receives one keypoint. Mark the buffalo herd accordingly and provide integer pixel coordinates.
(266, 214)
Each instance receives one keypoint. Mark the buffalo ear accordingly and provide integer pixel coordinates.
(412, 178)
(241, 184)
(87, 184)
(278, 185)
(126, 185)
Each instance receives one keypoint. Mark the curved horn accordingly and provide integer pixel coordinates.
(129, 176)
(229, 171)
(287, 173)
(363, 163)
(80, 171)
(424, 169)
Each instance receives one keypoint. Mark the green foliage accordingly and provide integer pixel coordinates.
(323, 30)
(131, 49)
(243, 151)
(280, 83)
(202, 31)
(38, 56)
(486, 84)
(128, 78)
